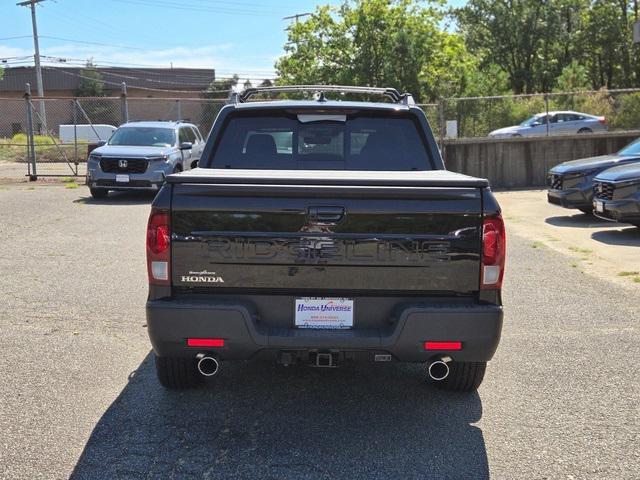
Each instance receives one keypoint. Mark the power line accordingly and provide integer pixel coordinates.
(127, 47)
(196, 8)
(15, 38)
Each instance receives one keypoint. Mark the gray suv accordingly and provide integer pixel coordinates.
(139, 155)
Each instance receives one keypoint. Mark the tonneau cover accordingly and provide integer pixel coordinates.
(429, 178)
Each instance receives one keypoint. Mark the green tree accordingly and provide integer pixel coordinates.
(397, 43)
(608, 54)
(574, 77)
(216, 94)
(531, 40)
(97, 110)
(91, 83)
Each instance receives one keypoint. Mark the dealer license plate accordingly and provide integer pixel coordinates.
(122, 178)
(327, 313)
(599, 206)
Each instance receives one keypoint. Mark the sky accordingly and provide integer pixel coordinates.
(232, 36)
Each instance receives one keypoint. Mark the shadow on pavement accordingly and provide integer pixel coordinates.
(258, 420)
(119, 198)
(624, 236)
(580, 220)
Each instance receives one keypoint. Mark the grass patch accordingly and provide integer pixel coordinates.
(574, 264)
(71, 185)
(47, 149)
(628, 274)
(537, 245)
(636, 279)
(584, 251)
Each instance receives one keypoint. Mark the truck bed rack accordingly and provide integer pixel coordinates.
(391, 93)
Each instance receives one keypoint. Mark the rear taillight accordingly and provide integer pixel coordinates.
(494, 242)
(158, 247)
(602, 120)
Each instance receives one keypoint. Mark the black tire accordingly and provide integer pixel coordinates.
(177, 373)
(586, 211)
(463, 376)
(585, 130)
(99, 192)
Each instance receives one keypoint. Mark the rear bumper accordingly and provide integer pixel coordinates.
(571, 198)
(171, 322)
(623, 211)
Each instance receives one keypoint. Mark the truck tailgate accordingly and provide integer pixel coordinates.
(407, 232)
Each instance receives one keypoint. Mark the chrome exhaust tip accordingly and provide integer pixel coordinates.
(208, 366)
(438, 370)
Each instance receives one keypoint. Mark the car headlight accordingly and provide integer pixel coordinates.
(160, 158)
(94, 157)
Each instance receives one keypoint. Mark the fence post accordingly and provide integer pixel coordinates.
(31, 151)
(443, 127)
(124, 103)
(75, 135)
(546, 107)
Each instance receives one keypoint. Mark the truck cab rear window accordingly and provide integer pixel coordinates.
(291, 142)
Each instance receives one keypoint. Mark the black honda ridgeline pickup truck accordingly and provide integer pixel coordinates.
(324, 232)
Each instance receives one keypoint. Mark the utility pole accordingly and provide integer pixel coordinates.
(297, 17)
(36, 57)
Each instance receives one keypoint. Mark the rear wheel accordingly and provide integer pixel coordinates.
(585, 130)
(177, 373)
(463, 376)
(99, 192)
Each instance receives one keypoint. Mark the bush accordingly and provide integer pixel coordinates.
(627, 115)
(21, 138)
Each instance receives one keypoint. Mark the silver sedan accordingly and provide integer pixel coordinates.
(554, 123)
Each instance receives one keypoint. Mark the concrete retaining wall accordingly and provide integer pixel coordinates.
(524, 162)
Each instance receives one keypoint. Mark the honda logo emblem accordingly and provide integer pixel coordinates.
(122, 163)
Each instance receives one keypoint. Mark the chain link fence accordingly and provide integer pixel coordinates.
(52, 136)
(472, 117)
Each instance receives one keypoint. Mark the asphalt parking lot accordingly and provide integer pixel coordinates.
(79, 398)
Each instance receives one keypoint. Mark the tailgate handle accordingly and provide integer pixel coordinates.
(326, 214)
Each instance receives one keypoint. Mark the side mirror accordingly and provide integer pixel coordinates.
(186, 146)
(101, 143)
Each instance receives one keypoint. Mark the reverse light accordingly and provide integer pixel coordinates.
(494, 242)
(205, 342)
(443, 345)
(158, 247)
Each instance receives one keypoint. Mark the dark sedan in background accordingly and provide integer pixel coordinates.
(616, 194)
(571, 183)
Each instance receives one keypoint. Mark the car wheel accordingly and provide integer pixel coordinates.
(99, 192)
(177, 169)
(177, 373)
(585, 130)
(516, 135)
(463, 376)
